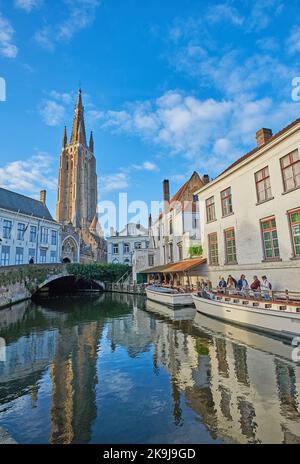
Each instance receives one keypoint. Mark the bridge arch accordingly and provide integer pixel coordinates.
(60, 280)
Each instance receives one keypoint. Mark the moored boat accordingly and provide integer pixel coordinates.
(277, 317)
(169, 297)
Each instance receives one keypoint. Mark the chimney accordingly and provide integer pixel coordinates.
(166, 190)
(262, 136)
(205, 179)
(43, 195)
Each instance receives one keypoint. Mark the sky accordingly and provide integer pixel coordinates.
(169, 87)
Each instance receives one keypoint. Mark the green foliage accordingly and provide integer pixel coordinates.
(195, 250)
(201, 348)
(100, 271)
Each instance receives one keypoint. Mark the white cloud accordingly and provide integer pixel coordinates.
(117, 181)
(53, 114)
(27, 5)
(7, 48)
(80, 14)
(224, 12)
(29, 176)
(293, 42)
(213, 132)
(263, 12)
(65, 97)
(44, 38)
(146, 166)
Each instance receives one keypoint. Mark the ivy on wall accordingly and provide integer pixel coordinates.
(99, 271)
(195, 251)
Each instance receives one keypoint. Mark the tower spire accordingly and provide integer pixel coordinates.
(91, 144)
(78, 132)
(65, 138)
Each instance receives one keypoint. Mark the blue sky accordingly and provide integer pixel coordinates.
(169, 86)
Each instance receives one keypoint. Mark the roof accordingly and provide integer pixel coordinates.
(181, 266)
(271, 139)
(12, 201)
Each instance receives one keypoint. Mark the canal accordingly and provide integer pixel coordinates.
(116, 369)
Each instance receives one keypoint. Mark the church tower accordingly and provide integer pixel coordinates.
(77, 181)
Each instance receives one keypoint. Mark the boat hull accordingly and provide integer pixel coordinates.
(281, 324)
(172, 300)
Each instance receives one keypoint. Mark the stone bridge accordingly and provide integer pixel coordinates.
(18, 283)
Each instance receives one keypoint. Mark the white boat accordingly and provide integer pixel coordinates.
(169, 297)
(276, 317)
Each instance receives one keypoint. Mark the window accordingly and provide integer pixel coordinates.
(164, 252)
(195, 198)
(290, 167)
(32, 236)
(20, 231)
(171, 252)
(5, 252)
(263, 185)
(53, 237)
(210, 209)
(19, 255)
(115, 248)
(230, 246)
(158, 233)
(151, 260)
(270, 239)
(43, 255)
(31, 254)
(226, 199)
(53, 257)
(213, 249)
(7, 226)
(171, 227)
(194, 222)
(180, 254)
(44, 235)
(126, 248)
(138, 245)
(294, 217)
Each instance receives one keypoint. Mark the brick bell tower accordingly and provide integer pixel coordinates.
(77, 180)
(76, 206)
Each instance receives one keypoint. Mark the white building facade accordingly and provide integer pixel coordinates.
(28, 233)
(250, 214)
(121, 246)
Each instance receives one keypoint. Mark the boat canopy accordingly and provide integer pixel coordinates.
(181, 266)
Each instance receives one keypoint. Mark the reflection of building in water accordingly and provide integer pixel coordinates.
(243, 394)
(74, 378)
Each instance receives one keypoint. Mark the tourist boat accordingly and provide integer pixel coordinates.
(168, 296)
(281, 318)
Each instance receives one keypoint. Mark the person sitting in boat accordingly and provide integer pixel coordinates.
(255, 284)
(266, 288)
(231, 282)
(222, 284)
(242, 284)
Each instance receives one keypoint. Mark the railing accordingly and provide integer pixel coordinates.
(125, 288)
(272, 295)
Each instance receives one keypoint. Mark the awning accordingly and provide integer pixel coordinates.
(182, 266)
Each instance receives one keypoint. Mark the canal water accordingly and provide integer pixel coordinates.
(118, 369)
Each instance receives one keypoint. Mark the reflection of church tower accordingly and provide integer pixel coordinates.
(74, 378)
(77, 190)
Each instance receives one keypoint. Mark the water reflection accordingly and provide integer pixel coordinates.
(112, 369)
